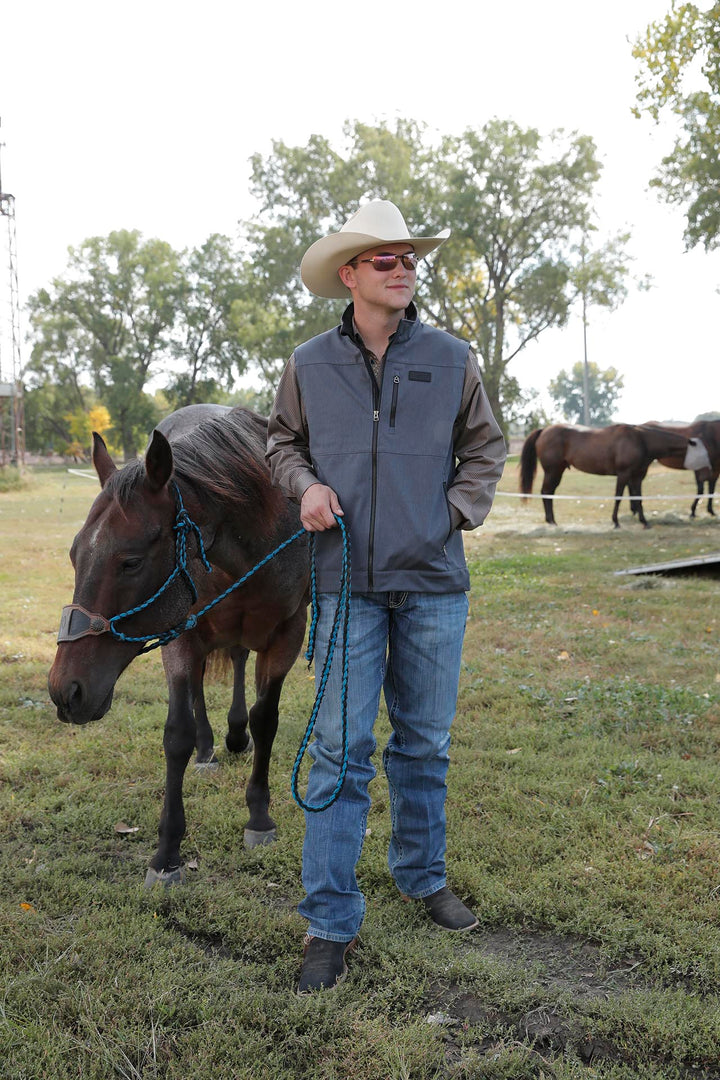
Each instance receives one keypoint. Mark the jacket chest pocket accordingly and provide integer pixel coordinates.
(411, 403)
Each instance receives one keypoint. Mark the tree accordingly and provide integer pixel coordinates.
(206, 345)
(517, 204)
(600, 280)
(679, 73)
(82, 423)
(604, 388)
(128, 311)
(109, 319)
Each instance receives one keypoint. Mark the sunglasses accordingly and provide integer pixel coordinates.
(383, 263)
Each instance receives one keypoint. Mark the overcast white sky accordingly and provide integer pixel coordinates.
(143, 115)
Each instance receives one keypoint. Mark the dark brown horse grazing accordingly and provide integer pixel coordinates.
(621, 450)
(138, 537)
(708, 432)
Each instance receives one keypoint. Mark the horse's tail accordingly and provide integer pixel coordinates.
(218, 665)
(528, 461)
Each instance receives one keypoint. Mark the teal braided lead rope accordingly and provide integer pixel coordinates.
(341, 618)
(183, 525)
(315, 611)
(192, 619)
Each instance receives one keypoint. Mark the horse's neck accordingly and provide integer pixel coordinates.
(239, 542)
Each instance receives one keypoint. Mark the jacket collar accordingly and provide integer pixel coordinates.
(405, 327)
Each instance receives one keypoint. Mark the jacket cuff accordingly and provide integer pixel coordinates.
(457, 520)
(301, 481)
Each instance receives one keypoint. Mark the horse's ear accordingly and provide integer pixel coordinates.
(158, 462)
(104, 464)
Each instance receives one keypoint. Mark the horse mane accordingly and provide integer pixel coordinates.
(222, 459)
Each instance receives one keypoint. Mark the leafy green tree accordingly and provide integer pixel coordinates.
(46, 407)
(129, 311)
(206, 346)
(517, 204)
(603, 387)
(109, 318)
(679, 73)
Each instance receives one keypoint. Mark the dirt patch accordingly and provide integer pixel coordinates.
(567, 966)
(561, 964)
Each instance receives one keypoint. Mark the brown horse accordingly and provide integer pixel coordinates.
(140, 560)
(621, 450)
(708, 432)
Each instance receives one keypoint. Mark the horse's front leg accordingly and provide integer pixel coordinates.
(261, 829)
(635, 494)
(271, 667)
(237, 739)
(619, 490)
(699, 487)
(204, 738)
(184, 674)
(711, 492)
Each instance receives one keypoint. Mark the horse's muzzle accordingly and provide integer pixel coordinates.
(76, 622)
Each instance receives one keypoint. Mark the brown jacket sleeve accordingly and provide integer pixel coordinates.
(288, 453)
(480, 451)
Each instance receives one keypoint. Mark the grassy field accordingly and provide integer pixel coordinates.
(583, 828)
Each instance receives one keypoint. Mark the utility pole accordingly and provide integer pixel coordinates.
(11, 391)
(586, 378)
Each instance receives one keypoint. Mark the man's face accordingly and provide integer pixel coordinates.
(389, 290)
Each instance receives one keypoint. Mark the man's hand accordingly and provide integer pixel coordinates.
(317, 507)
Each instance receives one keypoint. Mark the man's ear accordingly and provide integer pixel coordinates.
(347, 276)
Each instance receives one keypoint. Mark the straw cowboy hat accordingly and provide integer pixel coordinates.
(377, 222)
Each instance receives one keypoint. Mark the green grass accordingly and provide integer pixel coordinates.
(582, 826)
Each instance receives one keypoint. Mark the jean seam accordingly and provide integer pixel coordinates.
(324, 936)
(428, 892)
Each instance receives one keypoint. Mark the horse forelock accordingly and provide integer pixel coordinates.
(122, 484)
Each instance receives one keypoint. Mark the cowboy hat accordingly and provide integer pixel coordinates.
(377, 222)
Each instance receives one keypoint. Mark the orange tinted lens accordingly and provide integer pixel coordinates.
(389, 262)
(385, 262)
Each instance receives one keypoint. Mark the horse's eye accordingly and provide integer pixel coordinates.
(131, 564)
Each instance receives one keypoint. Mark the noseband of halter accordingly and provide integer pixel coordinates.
(76, 622)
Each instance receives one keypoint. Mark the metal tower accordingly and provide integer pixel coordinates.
(12, 425)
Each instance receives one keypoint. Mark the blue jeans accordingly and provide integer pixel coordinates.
(410, 646)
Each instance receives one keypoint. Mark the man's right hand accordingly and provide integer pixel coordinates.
(318, 506)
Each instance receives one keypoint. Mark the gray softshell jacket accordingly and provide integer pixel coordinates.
(389, 456)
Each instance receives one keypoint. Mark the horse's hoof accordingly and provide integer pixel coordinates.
(254, 838)
(246, 749)
(207, 766)
(166, 878)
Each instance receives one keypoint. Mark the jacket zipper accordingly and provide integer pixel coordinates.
(376, 395)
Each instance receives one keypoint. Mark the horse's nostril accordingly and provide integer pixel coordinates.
(75, 698)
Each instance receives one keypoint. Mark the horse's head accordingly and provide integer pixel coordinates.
(123, 555)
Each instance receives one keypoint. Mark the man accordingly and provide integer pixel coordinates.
(383, 421)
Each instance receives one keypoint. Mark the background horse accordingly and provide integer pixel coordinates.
(127, 549)
(708, 432)
(621, 450)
